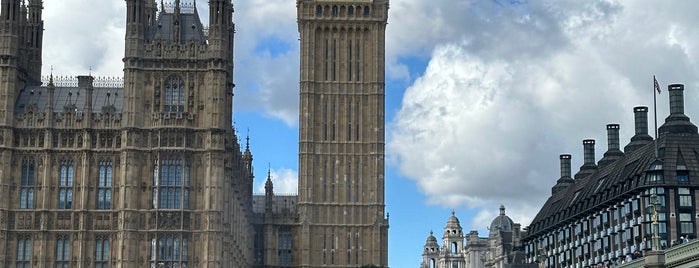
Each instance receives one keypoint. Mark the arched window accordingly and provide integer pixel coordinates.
(174, 95)
(350, 10)
(171, 184)
(102, 252)
(432, 263)
(26, 196)
(366, 11)
(169, 250)
(454, 247)
(336, 10)
(65, 185)
(104, 185)
(319, 10)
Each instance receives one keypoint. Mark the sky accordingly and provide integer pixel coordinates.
(482, 96)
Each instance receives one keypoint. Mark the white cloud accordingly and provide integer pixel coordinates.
(284, 180)
(515, 85)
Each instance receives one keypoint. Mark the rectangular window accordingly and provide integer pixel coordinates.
(63, 252)
(285, 244)
(104, 185)
(65, 185)
(169, 251)
(171, 184)
(102, 252)
(683, 176)
(26, 187)
(24, 252)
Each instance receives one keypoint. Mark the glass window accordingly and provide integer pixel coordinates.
(683, 176)
(169, 251)
(24, 252)
(285, 243)
(102, 252)
(26, 187)
(63, 252)
(174, 95)
(171, 184)
(65, 185)
(104, 185)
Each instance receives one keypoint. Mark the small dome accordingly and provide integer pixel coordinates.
(453, 228)
(431, 245)
(431, 240)
(501, 223)
(453, 222)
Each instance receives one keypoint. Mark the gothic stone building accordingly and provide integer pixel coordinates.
(144, 172)
(606, 211)
(338, 218)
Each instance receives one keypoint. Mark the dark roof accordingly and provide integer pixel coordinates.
(677, 145)
(37, 97)
(190, 28)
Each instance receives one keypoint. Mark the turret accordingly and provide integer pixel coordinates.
(269, 193)
(34, 37)
(135, 28)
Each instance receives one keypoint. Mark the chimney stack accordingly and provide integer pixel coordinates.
(677, 122)
(641, 137)
(565, 166)
(613, 153)
(588, 166)
(589, 152)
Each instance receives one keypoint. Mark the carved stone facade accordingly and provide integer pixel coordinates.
(144, 172)
(338, 218)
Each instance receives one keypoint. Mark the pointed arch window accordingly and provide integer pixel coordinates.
(169, 250)
(174, 95)
(26, 188)
(62, 251)
(102, 252)
(24, 252)
(65, 185)
(171, 184)
(104, 185)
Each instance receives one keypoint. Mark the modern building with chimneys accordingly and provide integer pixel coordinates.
(605, 213)
(502, 248)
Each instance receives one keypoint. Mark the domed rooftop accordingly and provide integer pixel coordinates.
(431, 240)
(501, 223)
(453, 222)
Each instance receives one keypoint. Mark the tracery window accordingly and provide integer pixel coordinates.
(102, 252)
(26, 188)
(168, 251)
(285, 245)
(104, 185)
(174, 95)
(24, 252)
(62, 251)
(65, 185)
(171, 183)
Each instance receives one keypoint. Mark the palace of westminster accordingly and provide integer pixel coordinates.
(148, 171)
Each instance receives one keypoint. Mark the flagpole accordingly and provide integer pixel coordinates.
(656, 87)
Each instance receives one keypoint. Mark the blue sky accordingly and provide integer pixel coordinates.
(481, 96)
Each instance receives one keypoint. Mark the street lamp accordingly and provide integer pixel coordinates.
(653, 208)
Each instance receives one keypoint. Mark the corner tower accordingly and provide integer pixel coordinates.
(341, 139)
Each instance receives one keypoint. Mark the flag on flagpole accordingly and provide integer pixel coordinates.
(656, 86)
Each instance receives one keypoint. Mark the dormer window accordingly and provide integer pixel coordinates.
(682, 174)
(655, 172)
(174, 95)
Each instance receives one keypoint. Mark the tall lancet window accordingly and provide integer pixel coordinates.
(104, 185)
(65, 185)
(174, 95)
(26, 191)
